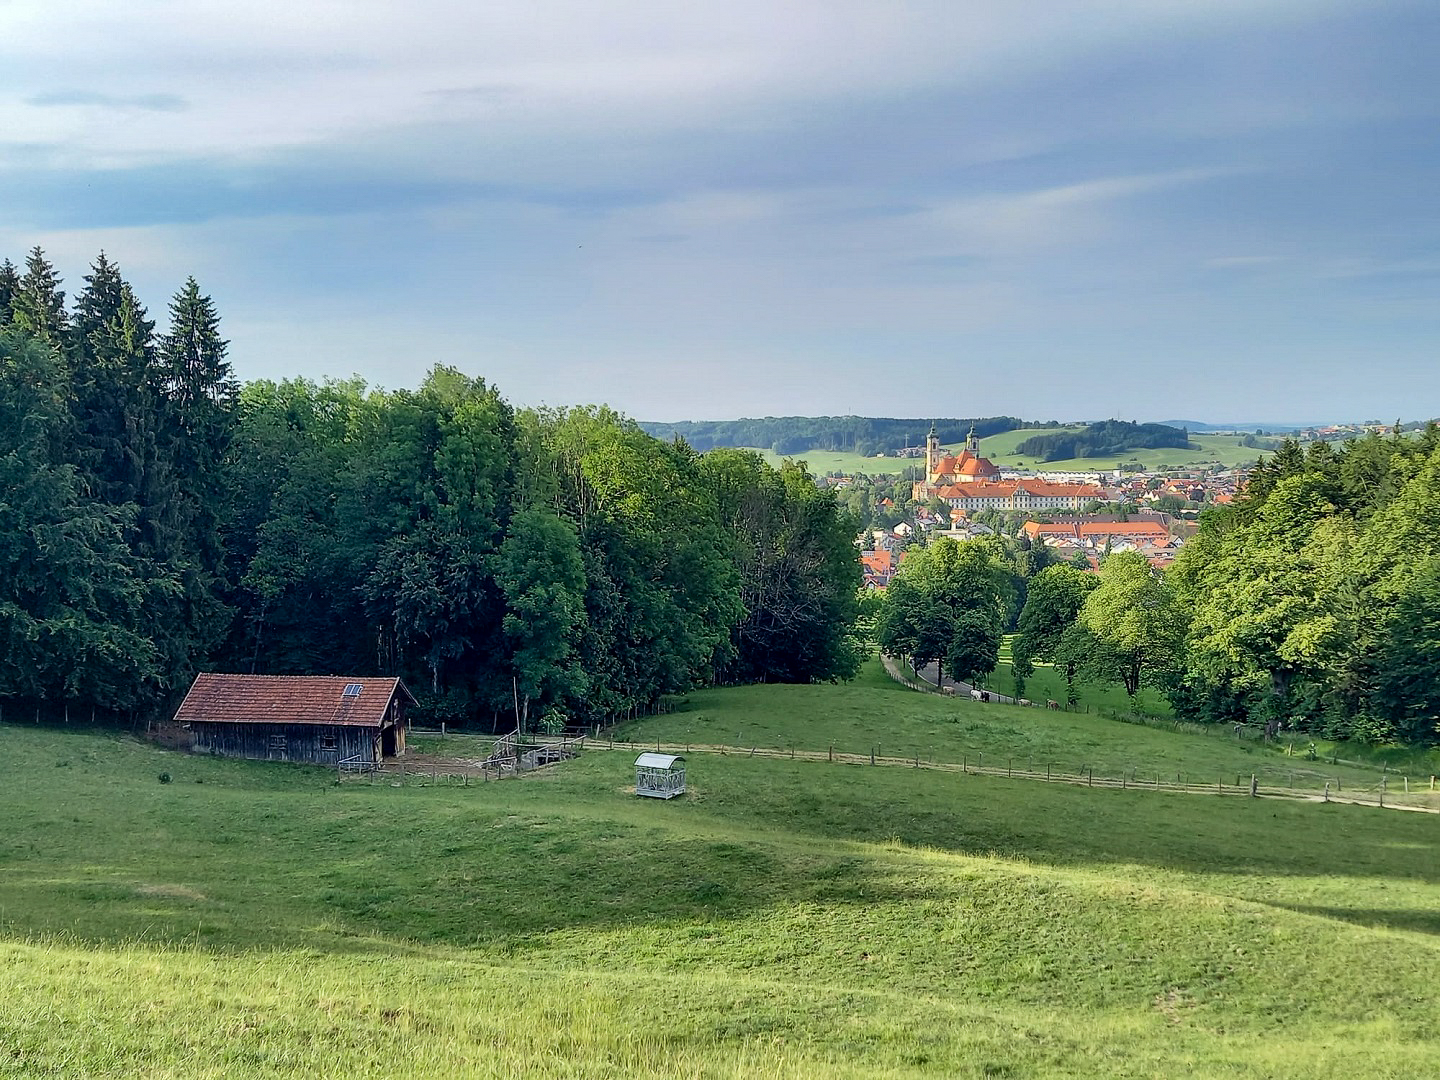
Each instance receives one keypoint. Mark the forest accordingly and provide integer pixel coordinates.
(1103, 439)
(160, 518)
(865, 435)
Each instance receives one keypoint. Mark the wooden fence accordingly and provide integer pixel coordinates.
(1390, 790)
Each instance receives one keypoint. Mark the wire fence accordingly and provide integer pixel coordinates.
(1387, 790)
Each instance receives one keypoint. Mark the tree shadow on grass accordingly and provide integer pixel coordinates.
(1418, 920)
(1071, 826)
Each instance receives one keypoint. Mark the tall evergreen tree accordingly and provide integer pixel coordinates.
(196, 398)
(9, 288)
(38, 307)
(112, 358)
(75, 607)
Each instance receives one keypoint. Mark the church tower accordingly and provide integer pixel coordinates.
(973, 442)
(932, 453)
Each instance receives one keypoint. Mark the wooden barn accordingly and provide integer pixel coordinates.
(314, 719)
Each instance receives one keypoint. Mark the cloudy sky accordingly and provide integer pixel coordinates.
(1221, 210)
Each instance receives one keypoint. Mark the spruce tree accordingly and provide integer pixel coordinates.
(38, 307)
(196, 395)
(112, 351)
(9, 287)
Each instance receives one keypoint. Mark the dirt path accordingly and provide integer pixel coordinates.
(960, 689)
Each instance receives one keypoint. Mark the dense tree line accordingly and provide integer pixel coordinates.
(848, 434)
(1314, 598)
(158, 518)
(1104, 439)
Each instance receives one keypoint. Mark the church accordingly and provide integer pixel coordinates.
(969, 482)
(967, 467)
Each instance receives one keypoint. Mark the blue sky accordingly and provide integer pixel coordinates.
(1224, 210)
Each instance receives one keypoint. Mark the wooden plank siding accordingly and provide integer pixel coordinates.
(313, 720)
(305, 743)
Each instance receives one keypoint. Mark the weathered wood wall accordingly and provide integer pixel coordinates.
(303, 743)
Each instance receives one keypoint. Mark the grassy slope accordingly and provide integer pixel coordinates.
(1225, 449)
(783, 919)
(874, 712)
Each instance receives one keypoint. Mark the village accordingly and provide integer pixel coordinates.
(1080, 516)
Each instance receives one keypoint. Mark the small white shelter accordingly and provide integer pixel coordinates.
(659, 776)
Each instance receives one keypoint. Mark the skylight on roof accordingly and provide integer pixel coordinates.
(353, 689)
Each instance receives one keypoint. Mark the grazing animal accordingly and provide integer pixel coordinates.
(948, 690)
(1052, 704)
(974, 695)
(1025, 701)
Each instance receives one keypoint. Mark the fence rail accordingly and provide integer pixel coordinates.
(1390, 792)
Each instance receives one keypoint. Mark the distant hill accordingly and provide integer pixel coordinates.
(1267, 427)
(864, 435)
(1103, 439)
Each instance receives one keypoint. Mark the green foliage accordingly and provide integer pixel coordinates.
(790, 435)
(1104, 439)
(541, 574)
(74, 601)
(949, 603)
(794, 549)
(1308, 597)
(1133, 623)
(162, 518)
(1052, 603)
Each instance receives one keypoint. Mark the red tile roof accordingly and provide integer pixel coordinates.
(288, 699)
(1004, 489)
(878, 562)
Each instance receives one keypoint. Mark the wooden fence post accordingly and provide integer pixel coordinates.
(1254, 785)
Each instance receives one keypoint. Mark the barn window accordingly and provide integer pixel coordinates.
(327, 742)
(277, 742)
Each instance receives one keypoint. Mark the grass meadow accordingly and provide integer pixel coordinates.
(1206, 450)
(784, 918)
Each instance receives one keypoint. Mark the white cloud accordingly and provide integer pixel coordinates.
(1067, 214)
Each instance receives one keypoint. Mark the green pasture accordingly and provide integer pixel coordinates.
(1207, 450)
(875, 713)
(784, 918)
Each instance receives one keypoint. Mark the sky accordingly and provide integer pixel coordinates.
(1218, 210)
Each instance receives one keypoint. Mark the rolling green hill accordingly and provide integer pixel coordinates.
(1207, 450)
(785, 918)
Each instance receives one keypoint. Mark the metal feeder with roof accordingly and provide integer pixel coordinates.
(659, 776)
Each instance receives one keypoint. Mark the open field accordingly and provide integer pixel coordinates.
(1224, 449)
(876, 713)
(783, 919)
